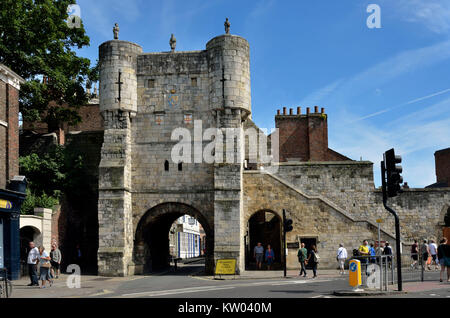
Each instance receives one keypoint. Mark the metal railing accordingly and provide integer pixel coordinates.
(5, 284)
(385, 271)
(377, 271)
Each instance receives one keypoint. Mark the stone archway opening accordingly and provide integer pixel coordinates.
(28, 234)
(158, 238)
(264, 227)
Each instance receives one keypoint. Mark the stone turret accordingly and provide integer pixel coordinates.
(118, 57)
(229, 74)
(229, 69)
(118, 104)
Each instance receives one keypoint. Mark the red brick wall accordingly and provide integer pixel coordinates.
(3, 135)
(293, 137)
(442, 159)
(91, 120)
(305, 137)
(13, 131)
(9, 136)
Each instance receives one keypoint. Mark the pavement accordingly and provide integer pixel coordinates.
(188, 282)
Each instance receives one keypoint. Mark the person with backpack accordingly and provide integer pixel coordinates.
(443, 253)
(425, 252)
(302, 254)
(341, 257)
(313, 259)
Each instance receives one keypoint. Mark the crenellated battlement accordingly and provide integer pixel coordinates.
(299, 112)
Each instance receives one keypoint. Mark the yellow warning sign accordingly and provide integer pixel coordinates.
(5, 204)
(379, 220)
(226, 267)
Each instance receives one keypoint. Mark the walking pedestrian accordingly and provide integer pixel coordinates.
(302, 254)
(433, 251)
(55, 255)
(32, 260)
(388, 251)
(313, 259)
(443, 252)
(372, 253)
(341, 257)
(44, 270)
(270, 256)
(364, 252)
(414, 254)
(258, 254)
(424, 252)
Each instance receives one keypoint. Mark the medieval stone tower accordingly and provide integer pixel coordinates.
(143, 98)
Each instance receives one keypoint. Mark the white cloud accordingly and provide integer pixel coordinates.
(415, 136)
(433, 14)
(395, 66)
(317, 96)
(404, 104)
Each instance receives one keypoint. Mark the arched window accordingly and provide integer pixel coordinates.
(166, 165)
(180, 166)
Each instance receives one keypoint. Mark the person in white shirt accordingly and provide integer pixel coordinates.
(32, 260)
(433, 251)
(341, 257)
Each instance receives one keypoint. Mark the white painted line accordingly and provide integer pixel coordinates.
(221, 287)
(318, 296)
(177, 291)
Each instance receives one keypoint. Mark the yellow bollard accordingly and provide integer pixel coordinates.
(354, 278)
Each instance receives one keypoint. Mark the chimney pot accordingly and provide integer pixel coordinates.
(284, 110)
(290, 111)
(278, 112)
(316, 109)
(322, 110)
(308, 110)
(299, 110)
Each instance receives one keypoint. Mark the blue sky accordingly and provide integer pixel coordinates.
(381, 88)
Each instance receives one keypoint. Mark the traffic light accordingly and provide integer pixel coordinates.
(288, 225)
(393, 170)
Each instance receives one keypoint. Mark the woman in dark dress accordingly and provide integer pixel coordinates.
(313, 260)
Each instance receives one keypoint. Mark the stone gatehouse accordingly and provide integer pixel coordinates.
(145, 96)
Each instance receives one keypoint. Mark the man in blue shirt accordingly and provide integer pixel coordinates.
(258, 254)
(372, 252)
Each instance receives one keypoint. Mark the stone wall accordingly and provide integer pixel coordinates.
(313, 217)
(350, 186)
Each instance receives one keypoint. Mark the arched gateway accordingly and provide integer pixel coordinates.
(151, 244)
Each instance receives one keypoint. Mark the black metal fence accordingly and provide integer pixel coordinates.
(5, 284)
(380, 271)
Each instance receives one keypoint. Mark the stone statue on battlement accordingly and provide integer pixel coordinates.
(227, 26)
(173, 42)
(116, 31)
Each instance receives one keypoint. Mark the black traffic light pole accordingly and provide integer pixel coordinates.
(397, 226)
(284, 242)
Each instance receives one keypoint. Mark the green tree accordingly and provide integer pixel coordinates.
(58, 170)
(37, 42)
